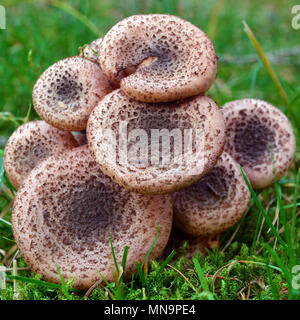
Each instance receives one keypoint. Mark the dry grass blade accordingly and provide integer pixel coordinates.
(6, 210)
(270, 70)
(184, 277)
(232, 263)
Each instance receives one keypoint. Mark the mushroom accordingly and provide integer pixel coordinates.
(155, 148)
(91, 51)
(255, 129)
(31, 143)
(215, 203)
(158, 58)
(66, 211)
(66, 93)
(80, 137)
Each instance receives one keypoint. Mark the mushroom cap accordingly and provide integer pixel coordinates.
(31, 143)
(91, 51)
(152, 152)
(65, 212)
(215, 203)
(66, 93)
(181, 59)
(80, 137)
(253, 128)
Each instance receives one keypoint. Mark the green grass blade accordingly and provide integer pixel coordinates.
(107, 283)
(153, 243)
(200, 274)
(282, 266)
(168, 259)
(114, 255)
(124, 260)
(282, 214)
(64, 287)
(253, 245)
(273, 287)
(141, 273)
(262, 210)
(38, 282)
(295, 204)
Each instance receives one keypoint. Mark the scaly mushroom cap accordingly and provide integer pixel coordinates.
(158, 58)
(65, 212)
(215, 203)
(253, 128)
(192, 136)
(29, 145)
(91, 51)
(66, 93)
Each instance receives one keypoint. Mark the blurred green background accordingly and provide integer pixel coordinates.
(41, 32)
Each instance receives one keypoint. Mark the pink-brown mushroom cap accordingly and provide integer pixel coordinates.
(158, 58)
(215, 203)
(253, 129)
(66, 93)
(65, 212)
(30, 144)
(144, 175)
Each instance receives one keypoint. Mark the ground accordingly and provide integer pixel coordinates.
(257, 256)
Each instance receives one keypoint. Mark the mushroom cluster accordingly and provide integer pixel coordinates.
(129, 141)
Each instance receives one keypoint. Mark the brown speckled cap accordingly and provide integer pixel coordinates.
(215, 203)
(181, 59)
(148, 168)
(91, 51)
(29, 145)
(65, 212)
(253, 128)
(66, 93)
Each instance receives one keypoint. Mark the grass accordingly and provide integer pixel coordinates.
(256, 59)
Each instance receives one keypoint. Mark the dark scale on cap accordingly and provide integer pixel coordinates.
(66, 92)
(183, 61)
(29, 145)
(65, 212)
(255, 129)
(155, 170)
(215, 203)
(253, 142)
